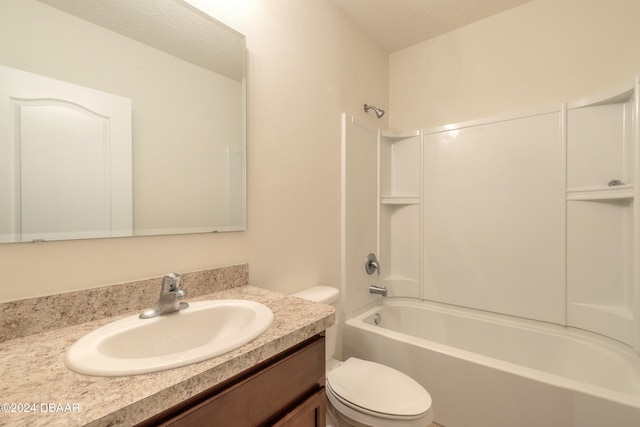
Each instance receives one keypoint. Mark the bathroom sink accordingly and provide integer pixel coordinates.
(132, 346)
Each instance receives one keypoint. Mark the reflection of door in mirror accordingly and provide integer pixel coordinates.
(66, 171)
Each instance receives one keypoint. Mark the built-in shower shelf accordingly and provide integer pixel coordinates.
(601, 193)
(394, 136)
(399, 200)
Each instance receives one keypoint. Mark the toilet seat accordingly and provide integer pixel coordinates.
(371, 391)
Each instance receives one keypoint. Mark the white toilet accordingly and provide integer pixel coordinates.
(364, 393)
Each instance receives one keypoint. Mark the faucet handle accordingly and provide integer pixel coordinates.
(170, 283)
(371, 264)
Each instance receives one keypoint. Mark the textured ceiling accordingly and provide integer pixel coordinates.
(397, 24)
(168, 25)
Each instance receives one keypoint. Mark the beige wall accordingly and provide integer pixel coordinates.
(307, 64)
(538, 54)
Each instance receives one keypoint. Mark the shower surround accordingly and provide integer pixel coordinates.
(530, 215)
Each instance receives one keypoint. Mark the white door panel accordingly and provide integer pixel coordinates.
(66, 160)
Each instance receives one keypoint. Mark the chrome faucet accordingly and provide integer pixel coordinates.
(170, 300)
(378, 290)
(371, 265)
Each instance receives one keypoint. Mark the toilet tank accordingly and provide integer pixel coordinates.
(325, 295)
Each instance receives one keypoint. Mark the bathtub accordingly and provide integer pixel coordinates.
(488, 370)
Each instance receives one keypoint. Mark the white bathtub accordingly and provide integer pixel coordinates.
(486, 370)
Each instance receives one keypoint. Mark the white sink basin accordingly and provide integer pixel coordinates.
(132, 346)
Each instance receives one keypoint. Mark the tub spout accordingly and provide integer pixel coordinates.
(378, 290)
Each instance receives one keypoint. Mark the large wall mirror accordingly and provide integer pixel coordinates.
(119, 118)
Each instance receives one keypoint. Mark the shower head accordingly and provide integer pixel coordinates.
(378, 111)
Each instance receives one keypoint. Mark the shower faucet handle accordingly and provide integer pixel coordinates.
(371, 264)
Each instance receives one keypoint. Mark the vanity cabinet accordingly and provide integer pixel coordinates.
(286, 390)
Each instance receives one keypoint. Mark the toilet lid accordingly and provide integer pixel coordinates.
(378, 388)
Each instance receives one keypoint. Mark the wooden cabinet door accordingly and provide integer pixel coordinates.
(310, 413)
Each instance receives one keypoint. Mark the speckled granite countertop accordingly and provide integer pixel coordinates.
(34, 377)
